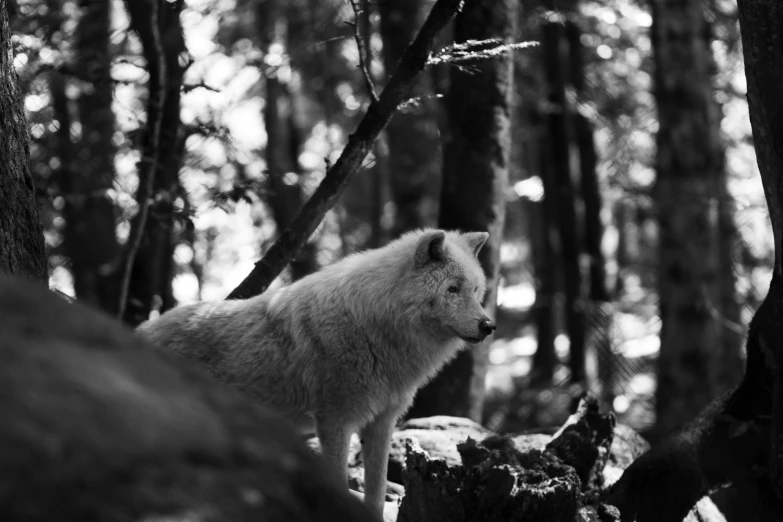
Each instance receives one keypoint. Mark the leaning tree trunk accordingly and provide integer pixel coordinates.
(474, 180)
(151, 268)
(90, 240)
(412, 134)
(21, 235)
(740, 436)
(688, 176)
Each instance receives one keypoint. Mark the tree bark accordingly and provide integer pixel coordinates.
(414, 155)
(689, 172)
(761, 24)
(151, 275)
(90, 240)
(738, 438)
(474, 180)
(563, 192)
(21, 235)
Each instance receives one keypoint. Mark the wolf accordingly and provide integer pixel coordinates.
(345, 349)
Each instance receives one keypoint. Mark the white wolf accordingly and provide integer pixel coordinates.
(346, 347)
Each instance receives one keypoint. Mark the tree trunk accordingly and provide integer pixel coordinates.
(598, 318)
(378, 184)
(739, 437)
(412, 134)
(546, 261)
(21, 235)
(474, 180)
(151, 275)
(761, 23)
(564, 194)
(689, 169)
(283, 136)
(90, 240)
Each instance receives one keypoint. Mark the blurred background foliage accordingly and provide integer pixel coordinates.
(269, 93)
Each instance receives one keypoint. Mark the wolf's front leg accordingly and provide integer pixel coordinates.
(375, 454)
(335, 437)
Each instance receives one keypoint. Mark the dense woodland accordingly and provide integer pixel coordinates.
(606, 146)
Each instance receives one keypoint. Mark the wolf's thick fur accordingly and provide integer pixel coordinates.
(347, 346)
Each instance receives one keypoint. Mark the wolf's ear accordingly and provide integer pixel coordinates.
(476, 240)
(431, 247)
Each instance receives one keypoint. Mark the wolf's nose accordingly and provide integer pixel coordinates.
(486, 326)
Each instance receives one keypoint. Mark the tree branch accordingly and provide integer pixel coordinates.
(359, 145)
(363, 48)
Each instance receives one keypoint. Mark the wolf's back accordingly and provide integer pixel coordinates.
(192, 330)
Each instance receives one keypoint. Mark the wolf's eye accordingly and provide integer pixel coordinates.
(453, 289)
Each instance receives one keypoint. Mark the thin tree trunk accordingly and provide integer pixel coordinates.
(90, 240)
(689, 169)
(474, 180)
(283, 136)
(565, 196)
(151, 275)
(21, 235)
(379, 192)
(380, 170)
(598, 311)
(412, 134)
(620, 214)
(543, 217)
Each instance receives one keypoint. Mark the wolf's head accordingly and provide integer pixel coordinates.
(449, 284)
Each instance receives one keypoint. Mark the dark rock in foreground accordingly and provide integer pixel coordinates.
(98, 427)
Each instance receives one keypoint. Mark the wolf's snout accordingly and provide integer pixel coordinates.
(486, 327)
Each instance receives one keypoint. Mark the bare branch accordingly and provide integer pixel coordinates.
(363, 48)
(380, 111)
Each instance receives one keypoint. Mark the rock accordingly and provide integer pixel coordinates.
(495, 483)
(598, 447)
(98, 426)
(446, 423)
(627, 446)
(705, 510)
(598, 513)
(584, 441)
(527, 442)
(438, 436)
